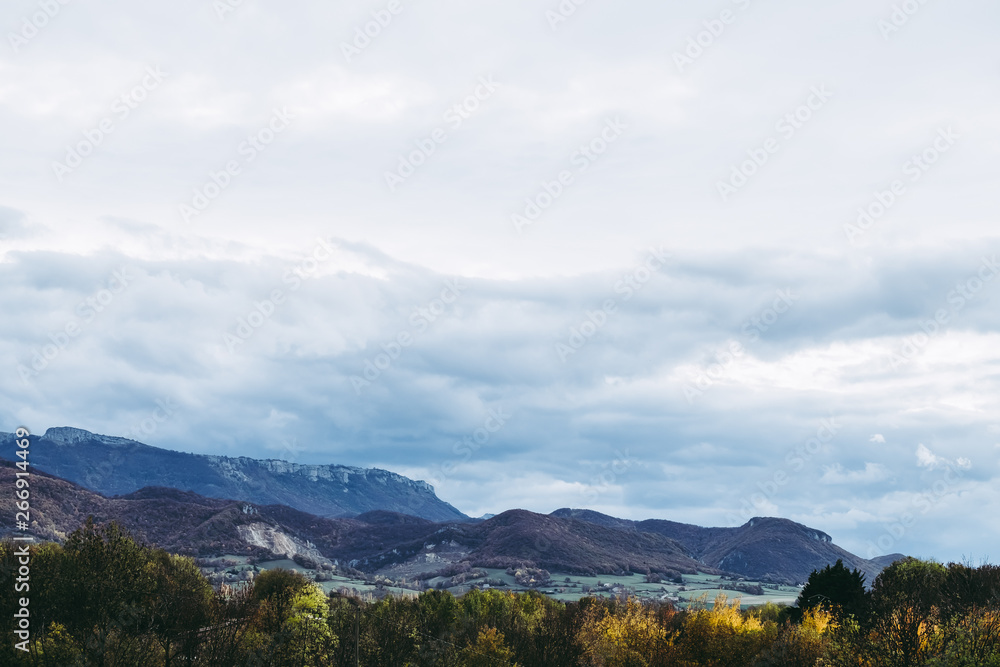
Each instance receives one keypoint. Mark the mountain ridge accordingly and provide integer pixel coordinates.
(377, 541)
(112, 465)
(764, 548)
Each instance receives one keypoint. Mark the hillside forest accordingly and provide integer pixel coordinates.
(103, 598)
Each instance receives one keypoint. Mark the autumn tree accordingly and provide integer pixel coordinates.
(488, 650)
(903, 609)
(625, 635)
(723, 635)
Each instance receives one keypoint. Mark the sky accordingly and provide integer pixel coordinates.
(697, 261)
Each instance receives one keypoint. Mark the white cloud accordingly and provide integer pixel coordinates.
(872, 473)
(656, 186)
(928, 459)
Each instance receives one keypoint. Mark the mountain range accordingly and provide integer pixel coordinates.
(160, 497)
(764, 548)
(111, 466)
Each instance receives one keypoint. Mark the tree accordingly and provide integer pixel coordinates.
(903, 610)
(966, 588)
(180, 602)
(834, 587)
(279, 585)
(105, 584)
(292, 620)
(488, 650)
(723, 636)
(234, 612)
(309, 635)
(389, 629)
(802, 644)
(625, 635)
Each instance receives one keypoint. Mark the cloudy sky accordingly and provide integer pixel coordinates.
(698, 261)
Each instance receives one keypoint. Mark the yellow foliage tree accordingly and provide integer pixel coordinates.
(802, 645)
(627, 637)
(489, 650)
(723, 635)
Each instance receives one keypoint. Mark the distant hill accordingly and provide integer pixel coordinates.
(570, 541)
(116, 466)
(762, 549)
(185, 522)
(571, 545)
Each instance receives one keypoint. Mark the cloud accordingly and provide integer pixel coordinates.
(263, 348)
(288, 388)
(13, 225)
(872, 473)
(927, 459)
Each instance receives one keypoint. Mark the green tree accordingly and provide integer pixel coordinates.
(234, 614)
(967, 588)
(390, 630)
(903, 610)
(834, 587)
(180, 603)
(438, 614)
(291, 621)
(105, 584)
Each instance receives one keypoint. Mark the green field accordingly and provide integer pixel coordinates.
(563, 587)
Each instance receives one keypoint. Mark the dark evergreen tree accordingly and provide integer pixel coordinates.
(835, 587)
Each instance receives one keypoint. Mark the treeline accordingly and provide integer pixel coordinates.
(104, 599)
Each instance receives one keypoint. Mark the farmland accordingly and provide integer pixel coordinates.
(560, 586)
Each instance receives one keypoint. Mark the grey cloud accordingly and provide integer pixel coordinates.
(170, 334)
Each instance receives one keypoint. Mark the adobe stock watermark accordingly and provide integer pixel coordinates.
(147, 426)
(466, 448)
(290, 449)
(219, 181)
(914, 168)
(794, 462)
(562, 13)
(365, 34)
(265, 309)
(420, 320)
(224, 8)
(920, 505)
(726, 359)
(900, 16)
(122, 108)
(786, 127)
(784, 301)
(581, 159)
(714, 28)
(86, 312)
(425, 147)
(957, 299)
(628, 286)
(601, 483)
(35, 23)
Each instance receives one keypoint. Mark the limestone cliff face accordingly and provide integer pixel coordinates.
(241, 469)
(116, 466)
(277, 541)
